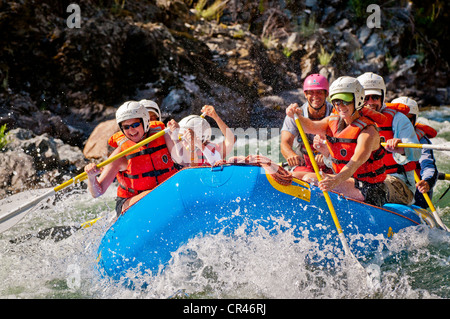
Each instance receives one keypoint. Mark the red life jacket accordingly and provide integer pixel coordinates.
(398, 107)
(342, 146)
(380, 118)
(118, 138)
(421, 131)
(424, 130)
(148, 165)
(374, 116)
(386, 133)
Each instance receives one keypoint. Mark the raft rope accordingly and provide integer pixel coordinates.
(278, 173)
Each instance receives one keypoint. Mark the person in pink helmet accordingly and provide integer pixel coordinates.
(316, 89)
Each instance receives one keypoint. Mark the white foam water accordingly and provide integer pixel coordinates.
(412, 264)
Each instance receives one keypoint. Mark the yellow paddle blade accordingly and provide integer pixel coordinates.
(91, 222)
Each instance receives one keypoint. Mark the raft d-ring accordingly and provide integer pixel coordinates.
(217, 168)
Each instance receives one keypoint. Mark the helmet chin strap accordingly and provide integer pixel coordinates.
(354, 105)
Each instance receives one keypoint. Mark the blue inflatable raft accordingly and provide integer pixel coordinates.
(226, 198)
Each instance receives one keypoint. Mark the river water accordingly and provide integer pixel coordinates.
(416, 263)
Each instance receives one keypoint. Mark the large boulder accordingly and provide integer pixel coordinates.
(36, 161)
(97, 144)
(18, 172)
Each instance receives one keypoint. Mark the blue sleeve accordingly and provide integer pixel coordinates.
(428, 169)
(404, 130)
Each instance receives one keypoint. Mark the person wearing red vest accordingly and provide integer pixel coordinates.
(354, 145)
(315, 89)
(426, 167)
(154, 114)
(140, 170)
(400, 162)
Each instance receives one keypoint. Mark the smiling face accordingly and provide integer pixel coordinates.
(344, 109)
(316, 98)
(373, 101)
(133, 129)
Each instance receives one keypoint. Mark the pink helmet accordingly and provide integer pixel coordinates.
(316, 82)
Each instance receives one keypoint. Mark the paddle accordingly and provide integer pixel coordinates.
(430, 204)
(326, 195)
(417, 179)
(56, 233)
(9, 219)
(361, 270)
(424, 146)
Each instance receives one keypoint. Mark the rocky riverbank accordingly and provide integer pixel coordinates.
(247, 58)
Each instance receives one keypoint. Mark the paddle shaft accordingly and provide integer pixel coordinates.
(56, 233)
(417, 179)
(424, 146)
(425, 195)
(24, 208)
(319, 178)
(430, 204)
(83, 175)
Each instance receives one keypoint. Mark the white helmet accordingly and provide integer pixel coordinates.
(199, 125)
(347, 84)
(373, 84)
(413, 107)
(151, 107)
(132, 110)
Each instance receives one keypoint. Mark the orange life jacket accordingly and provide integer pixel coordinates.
(117, 139)
(386, 133)
(421, 131)
(380, 118)
(148, 165)
(424, 130)
(342, 146)
(374, 116)
(398, 107)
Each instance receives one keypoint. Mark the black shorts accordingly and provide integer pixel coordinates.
(374, 194)
(119, 203)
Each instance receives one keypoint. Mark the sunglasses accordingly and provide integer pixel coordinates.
(134, 125)
(373, 97)
(339, 102)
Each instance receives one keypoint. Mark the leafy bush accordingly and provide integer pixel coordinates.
(324, 57)
(3, 137)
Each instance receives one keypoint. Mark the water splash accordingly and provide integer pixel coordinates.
(412, 264)
(264, 264)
